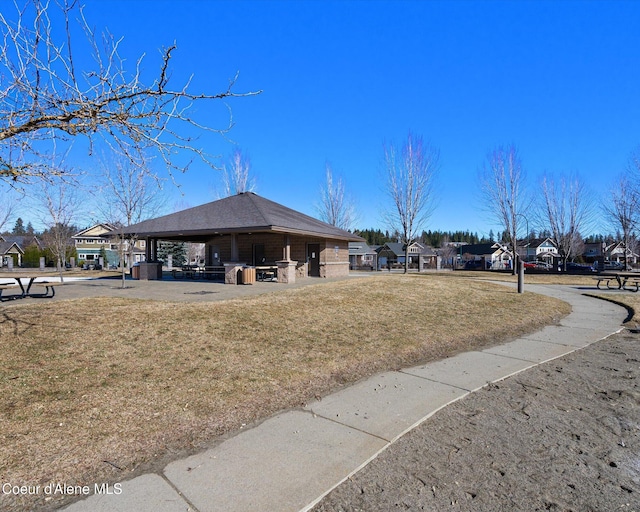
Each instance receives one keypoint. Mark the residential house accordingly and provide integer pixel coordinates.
(362, 256)
(91, 242)
(594, 251)
(619, 253)
(392, 254)
(538, 249)
(492, 255)
(14, 246)
(10, 253)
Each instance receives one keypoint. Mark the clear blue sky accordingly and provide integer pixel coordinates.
(559, 79)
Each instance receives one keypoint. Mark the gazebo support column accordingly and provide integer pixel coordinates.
(148, 247)
(234, 247)
(286, 267)
(286, 249)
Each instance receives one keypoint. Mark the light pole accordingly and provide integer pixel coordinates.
(520, 263)
(528, 237)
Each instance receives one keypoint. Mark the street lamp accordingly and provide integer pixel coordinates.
(528, 233)
(520, 264)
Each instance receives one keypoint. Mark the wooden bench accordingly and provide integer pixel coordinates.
(9, 287)
(606, 279)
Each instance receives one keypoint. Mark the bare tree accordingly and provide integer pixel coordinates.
(335, 207)
(129, 194)
(59, 204)
(236, 175)
(565, 211)
(502, 184)
(623, 210)
(7, 208)
(47, 100)
(410, 174)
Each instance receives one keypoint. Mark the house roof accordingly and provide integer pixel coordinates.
(5, 247)
(535, 242)
(243, 213)
(397, 248)
(482, 249)
(95, 231)
(360, 248)
(22, 240)
(478, 249)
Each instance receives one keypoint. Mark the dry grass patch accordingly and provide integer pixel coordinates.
(88, 385)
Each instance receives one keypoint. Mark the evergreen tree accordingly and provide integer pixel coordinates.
(178, 251)
(31, 258)
(18, 228)
(374, 236)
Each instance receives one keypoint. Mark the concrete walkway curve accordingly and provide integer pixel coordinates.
(291, 461)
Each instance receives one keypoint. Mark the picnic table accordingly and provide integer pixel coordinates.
(16, 282)
(266, 272)
(196, 272)
(211, 271)
(624, 280)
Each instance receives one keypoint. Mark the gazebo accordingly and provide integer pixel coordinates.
(249, 230)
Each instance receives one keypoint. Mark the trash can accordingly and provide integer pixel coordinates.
(135, 271)
(248, 275)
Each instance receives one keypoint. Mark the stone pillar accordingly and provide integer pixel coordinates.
(10, 262)
(42, 263)
(169, 261)
(231, 272)
(286, 271)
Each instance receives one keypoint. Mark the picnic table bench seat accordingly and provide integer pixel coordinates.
(8, 286)
(607, 280)
(49, 289)
(632, 285)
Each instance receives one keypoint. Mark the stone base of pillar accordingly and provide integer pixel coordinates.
(286, 271)
(231, 272)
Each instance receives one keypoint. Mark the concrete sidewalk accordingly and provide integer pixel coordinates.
(289, 462)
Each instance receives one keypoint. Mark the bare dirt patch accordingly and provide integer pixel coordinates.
(562, 436)
(97, 390)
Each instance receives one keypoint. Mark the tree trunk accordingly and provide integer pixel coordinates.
(406, 259)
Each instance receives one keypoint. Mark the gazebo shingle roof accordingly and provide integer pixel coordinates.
(243, 213)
